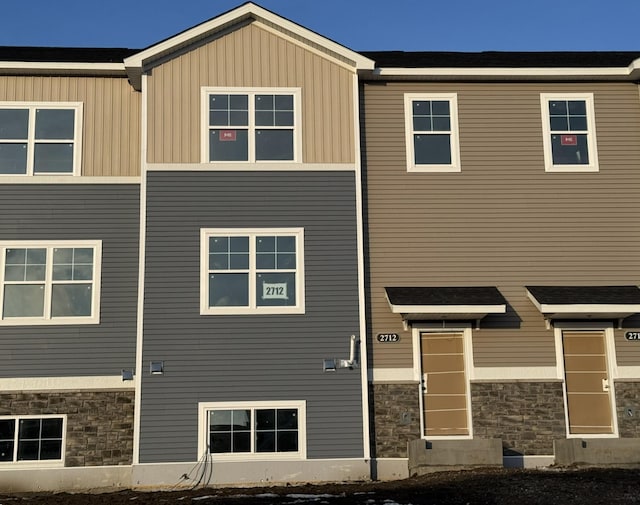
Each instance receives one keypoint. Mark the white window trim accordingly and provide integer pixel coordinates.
(41, 463)
(203, 429)
(452, 98)
(298, 308)
(297, 120)
(77, 135)
(549, 166)
(46, 319)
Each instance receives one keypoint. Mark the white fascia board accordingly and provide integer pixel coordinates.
(448, 309)
(28, 67)
(243, 12)
(627, 73)
(589, 308)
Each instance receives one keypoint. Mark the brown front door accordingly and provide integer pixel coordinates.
(587, 382)
(444, 384)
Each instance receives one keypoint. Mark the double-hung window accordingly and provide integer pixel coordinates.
(431, 126)
(253, 429)
(251, 125)
(40, 138)
(31, 438)
(569, 134)
(254, 271)
(49, 283)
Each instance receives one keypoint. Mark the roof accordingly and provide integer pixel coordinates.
(559, 295)
(498, 59)
(65, 54)
(585, 302)
(445, 296)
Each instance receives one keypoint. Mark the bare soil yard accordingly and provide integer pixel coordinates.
(475, 487)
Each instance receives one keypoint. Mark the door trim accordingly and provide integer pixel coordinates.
(610, 348)
(465, 329)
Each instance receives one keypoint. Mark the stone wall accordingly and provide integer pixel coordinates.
(395, 412)
(628, 407)
(99, 423)
(527, 416)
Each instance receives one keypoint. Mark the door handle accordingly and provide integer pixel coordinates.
(605, 385)
(424, 383)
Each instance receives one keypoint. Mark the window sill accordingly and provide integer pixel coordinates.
(434, 168)
(572, 168)
(23, 321)
(247, 311)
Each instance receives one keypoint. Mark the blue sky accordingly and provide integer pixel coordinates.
(411, 25)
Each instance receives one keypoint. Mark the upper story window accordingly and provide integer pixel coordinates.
(256, 271)
(44, 283)
(431, 125)
(251, 125)
(569, 133)
(31, 438)
(40, 138)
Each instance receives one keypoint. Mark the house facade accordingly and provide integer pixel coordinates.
(247, 254)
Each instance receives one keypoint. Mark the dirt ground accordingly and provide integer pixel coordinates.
(491, 487)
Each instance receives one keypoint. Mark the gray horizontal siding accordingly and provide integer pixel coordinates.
(249, 358)
(76, 212)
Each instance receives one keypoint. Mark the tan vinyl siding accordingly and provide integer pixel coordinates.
(502, 221)
(251, 56)
(111, 122)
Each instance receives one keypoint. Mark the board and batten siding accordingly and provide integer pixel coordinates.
(109, 213)
(111, 124)
(502, 221)
(254, 357)
(250, 56)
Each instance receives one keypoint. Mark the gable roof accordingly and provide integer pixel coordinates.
(244, 13)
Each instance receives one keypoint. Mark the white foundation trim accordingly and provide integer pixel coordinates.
(251, 167)
(403, 375)
(627, 372)
(516, 373)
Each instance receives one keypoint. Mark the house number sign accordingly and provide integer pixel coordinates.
(274, 291)
(632, 335)
(388, 337)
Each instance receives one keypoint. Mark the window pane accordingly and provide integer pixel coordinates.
(228, 145)
(71, 300)
(28, 450)
(557, 107)
(7, 429)
(569, 149)
(274, 144)
(219, 244)
(559, 123)
(51, 449)
(6, 450)
(53, 158)
(239, 261)
(219, 102)
(284, 102)
(238, 118)
(276, 289)
(54, 124)
(265, 244)
(220, 442)
(441, 123)
(239, 244)
(220, 420)
(287, 419)
(52, 428)
(286, 244)
(440, 107)
(62, 255)
(23, 301)
(29, 429)
(421, 107)
(14, 124)
(241, 442)
(219, 261)
(72, 264)
(422, 124)
(578, 123)
(432, 149)
(287, 441)
(265, 441)
(265, 419)
(239, 102)
(264, 102)
(265, 118)
(13, 159)
(230, 290)
(577, 107)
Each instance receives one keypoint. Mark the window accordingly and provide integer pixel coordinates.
(569, 133)
(243, 429)
(49, 283)
(31, 438)
(431, 125)
(260, 125)
(40, 138)
(252, 271)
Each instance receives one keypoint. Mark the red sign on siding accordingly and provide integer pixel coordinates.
(568, 140)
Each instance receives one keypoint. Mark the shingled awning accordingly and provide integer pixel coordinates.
(585, 302)
(445, 303)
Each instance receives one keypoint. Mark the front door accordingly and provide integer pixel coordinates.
(587, 383)
(444, 385)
